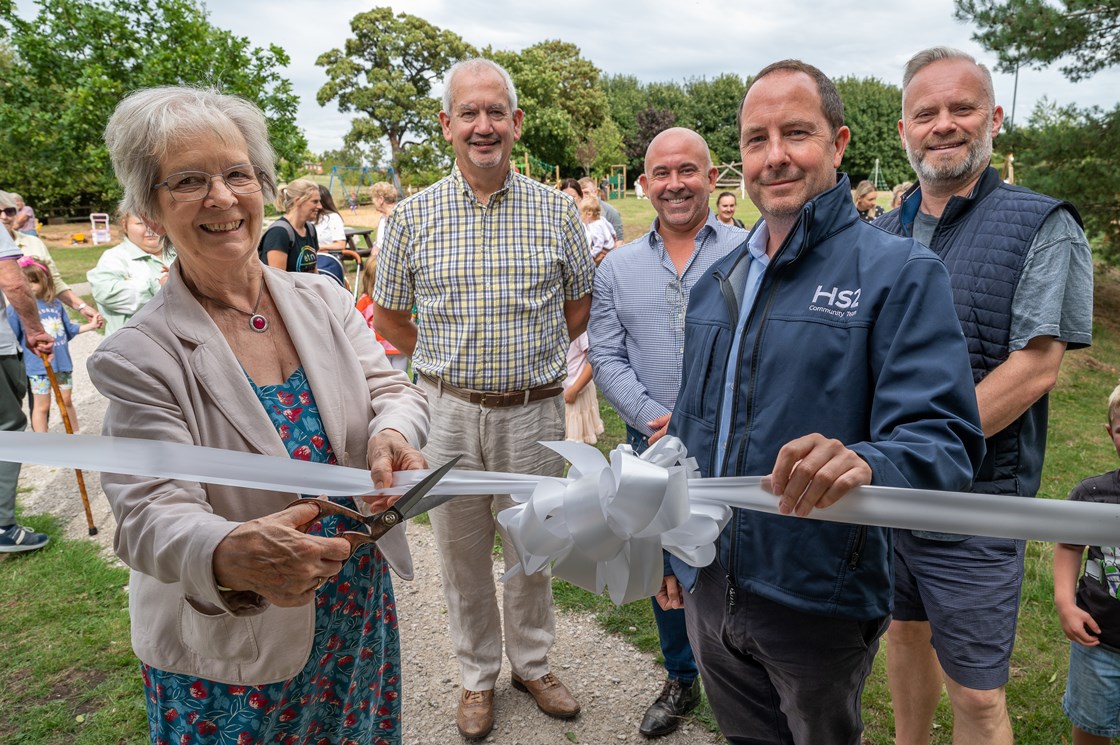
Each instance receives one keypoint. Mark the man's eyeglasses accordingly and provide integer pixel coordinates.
(10, 211)
(192, 186)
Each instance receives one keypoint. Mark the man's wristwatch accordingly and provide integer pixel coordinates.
(82, 307)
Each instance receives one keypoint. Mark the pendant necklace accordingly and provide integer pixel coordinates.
(257, 322)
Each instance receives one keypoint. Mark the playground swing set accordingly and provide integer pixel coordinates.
(366, 176)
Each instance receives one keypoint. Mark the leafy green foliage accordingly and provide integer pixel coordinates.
(871, 111)
(712, 105)
(64, 71)
(1040, 32)
(386, 72)
(1069, 153)
(560, 93)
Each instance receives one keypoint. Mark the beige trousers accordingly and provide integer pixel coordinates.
(492, 439)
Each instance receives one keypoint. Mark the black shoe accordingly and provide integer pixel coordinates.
(665, 714)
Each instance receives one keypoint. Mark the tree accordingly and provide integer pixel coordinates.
(386, 72)
(651, 122)
(560, 91)
(871, 111)
(1069, 153)
(66, 69)
(711, 103)
(1038, 32)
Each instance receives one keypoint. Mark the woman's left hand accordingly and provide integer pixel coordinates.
(389, 451)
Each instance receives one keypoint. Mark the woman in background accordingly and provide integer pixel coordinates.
(329, 227)
(129, 274)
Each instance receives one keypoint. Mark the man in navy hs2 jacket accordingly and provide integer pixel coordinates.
(824, 354)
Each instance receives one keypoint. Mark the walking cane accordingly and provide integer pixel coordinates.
(70, 430)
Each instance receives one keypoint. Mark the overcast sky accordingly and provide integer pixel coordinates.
(653, 40)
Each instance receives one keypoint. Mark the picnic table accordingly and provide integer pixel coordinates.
(352, 234)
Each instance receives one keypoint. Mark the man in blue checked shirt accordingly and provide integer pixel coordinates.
(499, 269)
(636, 336)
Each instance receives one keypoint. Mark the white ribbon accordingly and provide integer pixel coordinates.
(604, 525)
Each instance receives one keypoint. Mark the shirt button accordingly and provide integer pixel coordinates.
(680, 351)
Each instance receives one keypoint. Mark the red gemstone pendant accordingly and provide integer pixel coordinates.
(258, 323)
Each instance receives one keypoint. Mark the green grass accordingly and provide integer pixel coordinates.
(69, 675)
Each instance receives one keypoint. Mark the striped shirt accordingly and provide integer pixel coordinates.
(637, 319)
(488, 281)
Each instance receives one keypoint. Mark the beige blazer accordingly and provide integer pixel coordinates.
(170, 375)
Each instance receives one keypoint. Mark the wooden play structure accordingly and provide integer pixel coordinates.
(730, 176)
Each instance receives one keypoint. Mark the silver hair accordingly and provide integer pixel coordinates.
(927, 57)
(150, 123)
(476, 65)
(6, 200)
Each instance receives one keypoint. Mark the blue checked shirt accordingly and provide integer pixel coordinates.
(488, 281)
(636, 331)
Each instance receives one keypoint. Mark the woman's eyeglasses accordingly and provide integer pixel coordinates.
(192, 186)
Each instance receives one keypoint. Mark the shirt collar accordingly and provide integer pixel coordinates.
(710, 226)
(461, 184)
(756, 245)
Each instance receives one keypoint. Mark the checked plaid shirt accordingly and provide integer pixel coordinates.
(488, 281)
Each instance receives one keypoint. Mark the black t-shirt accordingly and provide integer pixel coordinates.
(301, 252)
(1099, 586)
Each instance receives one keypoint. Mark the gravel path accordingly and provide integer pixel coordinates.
(613, 682)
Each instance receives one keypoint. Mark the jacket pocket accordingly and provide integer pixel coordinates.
(702, 371)
(218, 635)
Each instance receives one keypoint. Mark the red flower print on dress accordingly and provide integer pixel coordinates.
(192, 717)
(292, 415)
(236, 690)
(171, 715)
(302, 453)
(285, 432)
(257, 700)
(206, 727)
(285, 398)
(305, 398)
(244, 739)
(288, 714)
(198, 690)
(317, 441)
(351, 720)
(185, 739)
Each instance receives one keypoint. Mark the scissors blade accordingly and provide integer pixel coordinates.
(411, 499)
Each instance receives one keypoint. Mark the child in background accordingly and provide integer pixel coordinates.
(1090, 613)
(600, 233)
(581, 402)
(57, 323)
(365, 307)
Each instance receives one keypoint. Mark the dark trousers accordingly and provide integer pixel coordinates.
(680, 664)
(775, 675)
(13, 383)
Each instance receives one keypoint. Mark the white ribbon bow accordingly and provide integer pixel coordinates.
(606, 524)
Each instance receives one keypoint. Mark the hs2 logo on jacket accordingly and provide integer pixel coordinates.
(835, 301)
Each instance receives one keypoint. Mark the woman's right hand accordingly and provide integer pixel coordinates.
(272, 557)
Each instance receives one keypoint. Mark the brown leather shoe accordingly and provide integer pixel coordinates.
(550, 694)
(475, 715)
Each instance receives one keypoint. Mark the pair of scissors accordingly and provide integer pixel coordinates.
(411, 504)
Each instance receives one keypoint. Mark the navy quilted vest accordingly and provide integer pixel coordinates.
(983, 240)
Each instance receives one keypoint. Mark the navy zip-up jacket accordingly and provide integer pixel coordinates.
(852, 335)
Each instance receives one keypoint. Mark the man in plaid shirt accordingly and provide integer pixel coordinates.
(499, 270)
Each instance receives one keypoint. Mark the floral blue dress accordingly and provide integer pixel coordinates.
(349, 691)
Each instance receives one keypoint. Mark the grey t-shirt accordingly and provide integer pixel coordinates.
(1055, 292)
(9, 251)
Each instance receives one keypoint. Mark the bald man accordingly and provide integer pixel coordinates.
(636, 335)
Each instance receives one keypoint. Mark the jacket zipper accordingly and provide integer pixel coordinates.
(807, 216)
(857, 550)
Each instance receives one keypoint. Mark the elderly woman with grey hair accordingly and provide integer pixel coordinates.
(252, 620)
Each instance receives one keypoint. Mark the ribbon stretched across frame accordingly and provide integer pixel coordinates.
(605, 524)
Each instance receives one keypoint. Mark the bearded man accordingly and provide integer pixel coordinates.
(1022, 279)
